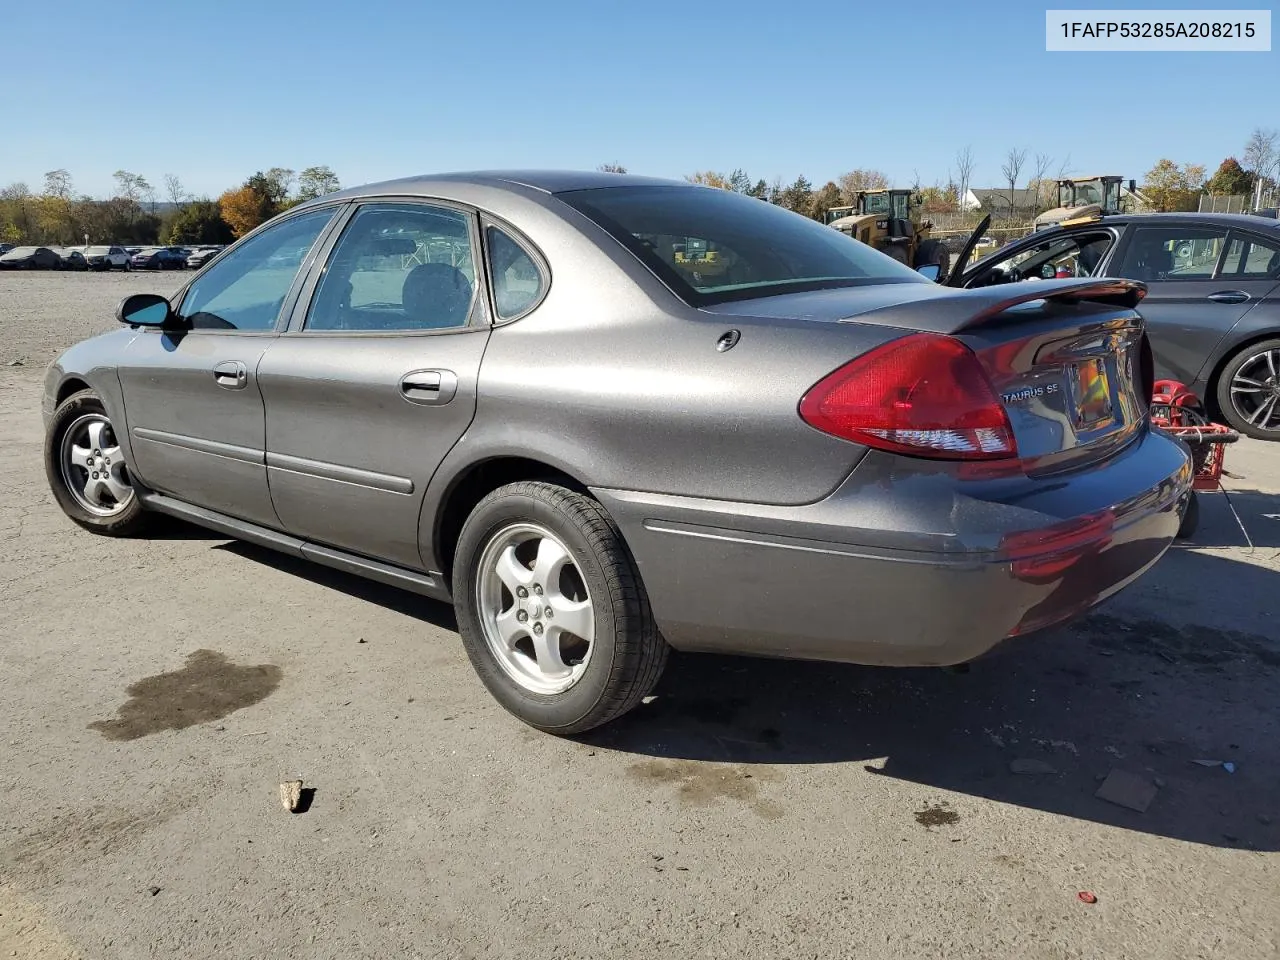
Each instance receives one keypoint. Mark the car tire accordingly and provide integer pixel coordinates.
(934, 251)
(1190, 518)
(1238, 398)
(105, 510)
(531, 531)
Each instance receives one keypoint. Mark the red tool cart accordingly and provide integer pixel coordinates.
(1175, 409)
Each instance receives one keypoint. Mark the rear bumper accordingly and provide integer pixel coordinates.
(903, 565)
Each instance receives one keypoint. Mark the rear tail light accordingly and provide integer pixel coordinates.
(924, 395)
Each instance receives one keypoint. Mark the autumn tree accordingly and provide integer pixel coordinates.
(1230, 180)
(710, 178)
(318, 181)
(246, 207)
(1171, 188)
(855, 181)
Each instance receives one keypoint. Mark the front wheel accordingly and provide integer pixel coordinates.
(551, 609)
(1249, 390)
(934, 251)
(86, 468)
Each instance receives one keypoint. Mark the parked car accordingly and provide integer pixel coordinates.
(202, 255)
(156, 258)
(30, 258)
(181, 253)
(108, 258)
(1212, 305)
(5, 247)
(597, 449)
(70, 258)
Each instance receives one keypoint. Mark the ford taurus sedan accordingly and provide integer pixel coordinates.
(508, 391)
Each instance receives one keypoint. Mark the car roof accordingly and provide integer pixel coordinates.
(546, 181)
(1244, 221)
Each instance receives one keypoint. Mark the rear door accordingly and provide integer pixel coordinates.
(1190, 305)
(192, 399)
(375, 380)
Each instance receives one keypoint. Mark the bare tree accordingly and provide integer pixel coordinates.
(1012, 168)
(611, 168)
(1262, 160)
(175, 191)
(57, 183)
(1038, 180)
(1064, 168)
(964, 173)
(855, 181)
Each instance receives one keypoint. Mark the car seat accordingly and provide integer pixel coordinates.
(435, 295)
(1151, 260)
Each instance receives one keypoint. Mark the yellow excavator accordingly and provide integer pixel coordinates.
(882, 219)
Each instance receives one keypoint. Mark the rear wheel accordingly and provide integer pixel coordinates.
(934, 251)
(86, 468)
(551, 609)
(1248, 391)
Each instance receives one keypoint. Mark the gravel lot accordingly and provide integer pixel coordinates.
(157, 692)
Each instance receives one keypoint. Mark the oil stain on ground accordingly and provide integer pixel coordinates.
(703, 784)
(208, 688)
(936, 816)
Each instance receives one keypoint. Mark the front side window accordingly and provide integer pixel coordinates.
(245, 290)
(398, 267)
(517, 282)
(1251, 258)
(744, 248)
(1172, 253)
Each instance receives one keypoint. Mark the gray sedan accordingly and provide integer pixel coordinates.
(606, 416)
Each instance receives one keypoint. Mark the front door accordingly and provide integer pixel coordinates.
(376, 380)
(196, 418)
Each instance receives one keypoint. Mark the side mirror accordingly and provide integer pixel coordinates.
(145, 310)
(930, 271)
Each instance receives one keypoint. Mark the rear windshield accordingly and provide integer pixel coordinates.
(711, 246)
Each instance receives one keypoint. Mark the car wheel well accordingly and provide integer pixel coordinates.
(1211, 382)
(71, 386)
(477, 483)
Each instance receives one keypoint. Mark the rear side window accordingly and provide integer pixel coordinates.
(1173, 253)
(517, 281)
(711, 246)
(1251, 258)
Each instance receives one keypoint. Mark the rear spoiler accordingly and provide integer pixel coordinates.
(963, 309)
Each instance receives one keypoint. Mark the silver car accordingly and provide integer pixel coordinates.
(606, 415)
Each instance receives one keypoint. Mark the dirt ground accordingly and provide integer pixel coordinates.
(156, 692)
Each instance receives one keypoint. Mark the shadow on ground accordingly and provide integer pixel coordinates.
(1175, 670)
(1128, 692)
(401, 601)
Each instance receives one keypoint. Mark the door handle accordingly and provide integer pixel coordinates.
(429, 387)
(231, 374)
(1229, 296)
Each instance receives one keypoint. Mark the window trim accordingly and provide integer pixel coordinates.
(290, 298)
(531, 250)
(479, 318)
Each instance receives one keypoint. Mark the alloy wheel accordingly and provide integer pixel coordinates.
(1255, 390)
(534, 607)
(93, 467)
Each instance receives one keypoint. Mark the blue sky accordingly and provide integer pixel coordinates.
(212, 90)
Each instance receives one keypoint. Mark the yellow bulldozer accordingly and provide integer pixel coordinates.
(882, 219)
